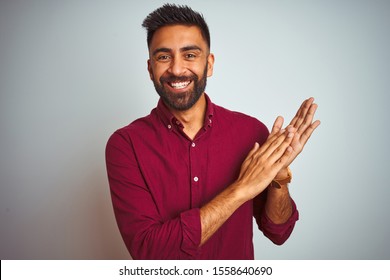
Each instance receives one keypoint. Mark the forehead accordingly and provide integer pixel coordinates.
(177, 36)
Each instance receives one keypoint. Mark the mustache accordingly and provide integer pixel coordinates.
(173, 78)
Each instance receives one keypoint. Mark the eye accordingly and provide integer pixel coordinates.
(190, 56)
(163, 57)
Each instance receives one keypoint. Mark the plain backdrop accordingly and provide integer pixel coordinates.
(72, 72)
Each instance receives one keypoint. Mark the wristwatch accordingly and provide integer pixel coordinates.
(279, 182)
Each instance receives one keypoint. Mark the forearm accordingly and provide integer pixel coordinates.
(278, 206)
(278, 233)
(215, 213)
(260, 166)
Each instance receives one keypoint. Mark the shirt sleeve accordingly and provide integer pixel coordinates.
(277, 233)
(145, 233)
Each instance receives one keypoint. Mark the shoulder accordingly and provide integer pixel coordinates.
(141, 126)
(240, 121)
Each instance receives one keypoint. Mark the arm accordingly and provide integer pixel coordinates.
(145, 232)
(278, 206)
(279, 216)
(257, 171)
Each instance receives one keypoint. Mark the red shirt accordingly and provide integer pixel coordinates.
(159, 179)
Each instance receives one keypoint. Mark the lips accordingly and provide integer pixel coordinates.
(179, 85)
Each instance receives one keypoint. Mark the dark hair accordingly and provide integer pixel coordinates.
(170, 14)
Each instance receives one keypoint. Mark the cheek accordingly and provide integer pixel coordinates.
(153, 70)
(157, 72)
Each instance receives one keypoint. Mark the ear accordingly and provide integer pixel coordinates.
(150, 70)
(210, 65)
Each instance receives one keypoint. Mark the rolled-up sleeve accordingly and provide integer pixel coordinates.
(277, 233)
(146, 234)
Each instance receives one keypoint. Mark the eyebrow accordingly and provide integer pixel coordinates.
(183, 49)
(190, 48)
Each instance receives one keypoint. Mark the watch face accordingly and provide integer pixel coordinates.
(276, 185)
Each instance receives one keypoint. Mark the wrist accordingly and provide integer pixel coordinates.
(282, 174)
(238, 193)
(283, 177)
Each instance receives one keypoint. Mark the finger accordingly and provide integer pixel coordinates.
(309, 131)
(278, 144)
(278, 124)
(249, 157)
(299, 116)
(308, 118)
(259, 161)
(281, 162)
(303, 112)
(254, 149)
(278, 152)
(271, 139)
(294, 120)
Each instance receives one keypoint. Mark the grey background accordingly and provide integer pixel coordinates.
(72, 72)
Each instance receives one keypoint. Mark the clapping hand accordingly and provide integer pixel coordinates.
(303, 126)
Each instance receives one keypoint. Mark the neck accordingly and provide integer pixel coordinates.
(193, 118)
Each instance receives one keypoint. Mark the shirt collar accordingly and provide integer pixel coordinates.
(170, 120)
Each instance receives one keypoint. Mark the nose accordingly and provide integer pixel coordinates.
(177, 67)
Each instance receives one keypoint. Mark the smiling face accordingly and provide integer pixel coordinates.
(179, 64)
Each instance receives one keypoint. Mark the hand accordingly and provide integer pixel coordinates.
(303, 125)
(263, 163)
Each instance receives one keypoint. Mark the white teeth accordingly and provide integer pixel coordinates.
(180, 85)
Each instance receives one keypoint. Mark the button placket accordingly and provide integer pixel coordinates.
(194, 173)
(195, 178)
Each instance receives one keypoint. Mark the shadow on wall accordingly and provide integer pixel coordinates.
(98, 221)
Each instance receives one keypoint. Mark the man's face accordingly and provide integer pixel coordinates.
(179, 64)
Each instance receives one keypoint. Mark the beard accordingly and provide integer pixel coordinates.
(185, 100)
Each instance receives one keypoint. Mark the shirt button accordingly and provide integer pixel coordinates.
(169, 126)
(196, 179)
(193, 145)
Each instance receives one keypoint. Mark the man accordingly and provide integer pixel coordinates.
(187, 179)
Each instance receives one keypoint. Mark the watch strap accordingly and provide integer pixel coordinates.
(277, 183)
